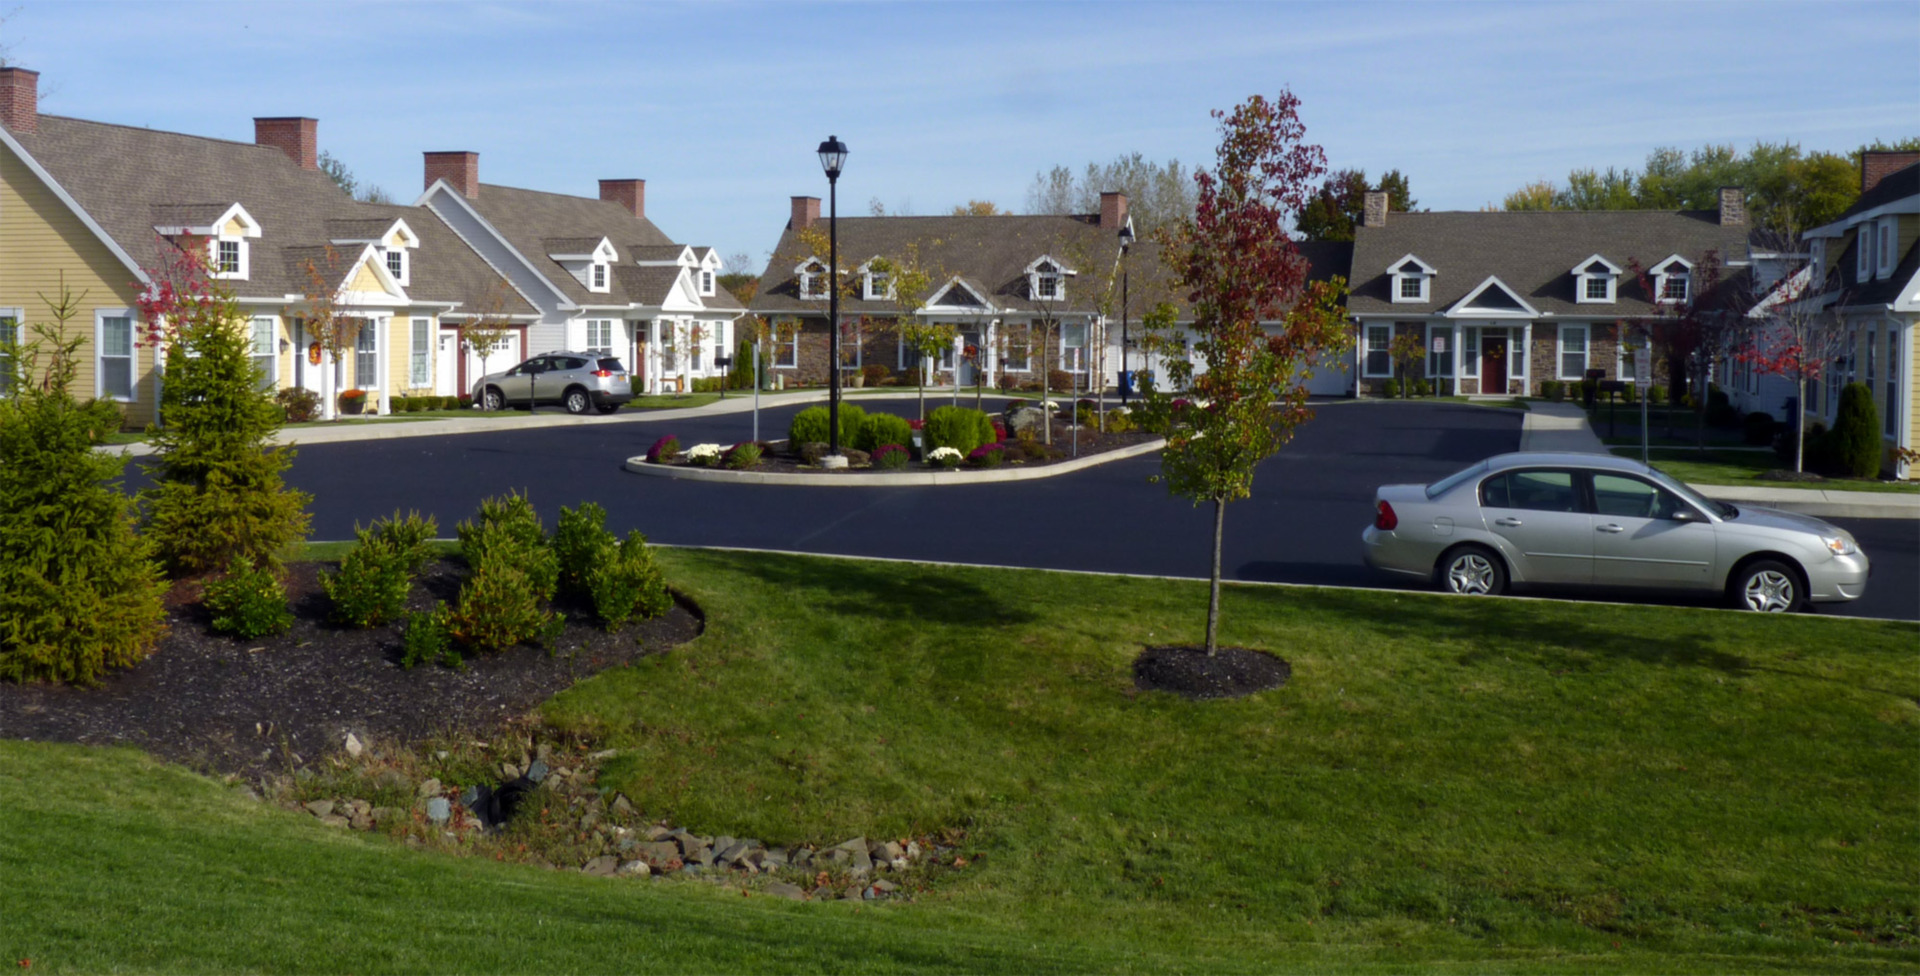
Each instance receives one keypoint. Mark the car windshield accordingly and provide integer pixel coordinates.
(1453, 481)
(1672, 484)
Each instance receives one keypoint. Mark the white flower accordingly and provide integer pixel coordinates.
(704, 452)
(1051, 404)
(1122, 411)
(943, 453)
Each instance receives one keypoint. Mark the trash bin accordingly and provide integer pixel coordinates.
(1126, 383)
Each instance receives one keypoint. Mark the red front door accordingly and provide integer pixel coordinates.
(1493, 364)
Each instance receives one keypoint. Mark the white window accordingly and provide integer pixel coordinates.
(1440, 350)
(397, 264)
(1047, 280)
(1411, 280)
(1470, 352)
(598, 279)
(1413, 286)
(1599, 289)
(266, 352)
(113, 342)
(1671, 280)
(786, 348)
(1379, 362)
(850, 345)
(1573, 352)
(9, 339)
(905, 355)
(696, 345)
(420, 354)
(706, 283)
(366, 357)
(1886, 246)
(229, 258)
(599, 336)
(1863, 253)
(1017, 356)
(1595, 281)
(1073, 347)
(879, 286)
(1889, 414)
(1816, 263)
(812, 283)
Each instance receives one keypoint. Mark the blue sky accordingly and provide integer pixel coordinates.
(720, 105)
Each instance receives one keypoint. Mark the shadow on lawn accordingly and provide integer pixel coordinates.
(896, 591)
(1544, 632)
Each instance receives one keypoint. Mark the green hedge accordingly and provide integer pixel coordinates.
(1856, 432)
(884, 428)
(961, 428)
(809, 426)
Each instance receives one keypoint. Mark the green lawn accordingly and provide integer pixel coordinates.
(1446, 785)
(1744, 468)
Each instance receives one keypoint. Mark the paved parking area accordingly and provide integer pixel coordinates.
(1301, 526)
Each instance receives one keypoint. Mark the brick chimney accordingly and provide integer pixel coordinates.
(1113, 210)
(20, 99)
(1733, 207)
(1374, 214)
(631, 194)
(806, 213)
(299, 138)
(461, 170)
(1875, 165)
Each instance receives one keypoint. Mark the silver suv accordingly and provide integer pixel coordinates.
(578, 381)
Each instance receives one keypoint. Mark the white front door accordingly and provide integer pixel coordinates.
(446, 365)
(306, 372)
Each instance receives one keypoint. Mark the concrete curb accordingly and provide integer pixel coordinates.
(1819, 503)
(893, 479)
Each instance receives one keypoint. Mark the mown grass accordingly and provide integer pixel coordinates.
(1445, 784)
(1744, 468)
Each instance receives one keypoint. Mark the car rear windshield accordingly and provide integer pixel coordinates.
(1453, 481)
(612, 365)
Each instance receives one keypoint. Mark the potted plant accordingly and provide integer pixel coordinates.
(353, 401)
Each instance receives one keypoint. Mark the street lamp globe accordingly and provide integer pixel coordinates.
(833, 156)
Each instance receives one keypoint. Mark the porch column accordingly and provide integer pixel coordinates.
(1526, 358)
(381, 333)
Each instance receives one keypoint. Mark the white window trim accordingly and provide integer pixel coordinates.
(18, 315)
(1423, 275)
(1863, 241)
(884, 293)
(1367, 349)
(273, 347)
(706, 284)
(420, 354)
(1660, 276)
(1469, 352)
(850, 332)
(790, 346)
(1889, 242)
(1560, 351)
(601, 272)
(100, 317)
(1583, 273)
(404, 276)
(1025, 341)
(371, 328)
(213, 247)
(1045, 266)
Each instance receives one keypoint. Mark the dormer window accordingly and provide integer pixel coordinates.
(877, 282)
(1412, 280)
(1596, 281)
(1885, 247)
(1863, 253)
(706, 283)
(598, 279)
(812, 276)
(398, 264)
(1673, 280)
(227, 258)
(1047, 280)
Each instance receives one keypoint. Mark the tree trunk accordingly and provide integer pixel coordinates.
(1213, 593)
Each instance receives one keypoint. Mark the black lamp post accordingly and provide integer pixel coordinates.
(833, 155)
(1126, 242)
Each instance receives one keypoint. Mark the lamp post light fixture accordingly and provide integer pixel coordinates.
(1126, 244)
(833, 156)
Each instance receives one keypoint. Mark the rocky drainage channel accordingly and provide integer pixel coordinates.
(619, 847)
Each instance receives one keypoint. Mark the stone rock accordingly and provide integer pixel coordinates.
(604, 866)
(889, 851)
(635, 869)
(703, 857)
(854, 893)
(320, 808)
(626, 844)
(439, 810)
(590, 819)
(334, 820)
(731, 854)
(537, 771)
(658, 853)
(388, 815)
(509, 772)
(884, 888)
(471, 797)
(723, 842)
(774, 857)
(657, 832)
(354, 746)
(913, 850)
(622, 806)
(824, 893)
(543, 751)
(801, 858)
(429, 788)
(361, 821)
(781, 889)
(1021, 419)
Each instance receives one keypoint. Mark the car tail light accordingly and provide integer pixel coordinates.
(603, 373)
(1385, 521)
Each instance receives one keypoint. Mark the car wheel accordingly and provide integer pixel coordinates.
(492, 400)
(576, 401)
(1768, 586)
(608, 407)
(1472, 571)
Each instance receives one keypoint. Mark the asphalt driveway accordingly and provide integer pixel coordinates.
(1301, 526)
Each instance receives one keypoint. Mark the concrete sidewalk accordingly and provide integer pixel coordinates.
(1564, 427)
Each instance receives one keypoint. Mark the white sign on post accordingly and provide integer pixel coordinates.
(1440, 345)
(1643, 366)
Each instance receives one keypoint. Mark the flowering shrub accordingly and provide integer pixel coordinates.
(987, 456)
(944, 457)
(891, 456)
(704, 455)
(664, 451)
(999, 430)
(916, 424)
(743, 455)
(1050, 405)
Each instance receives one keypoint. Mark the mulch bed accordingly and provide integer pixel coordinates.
(225, 705)
(779, 459)
(1234, 672)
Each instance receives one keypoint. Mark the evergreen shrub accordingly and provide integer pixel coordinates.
(509, 524)
(425, 638)
(1856, 433)
(810, 425)
(372, 584)
(880, 429)
(961, 428)
(298, 405)
(248, 602)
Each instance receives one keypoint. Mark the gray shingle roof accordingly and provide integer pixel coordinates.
(129, 178)
(529, 218)
(1897, 185)
(655, 252)
(1531, 252)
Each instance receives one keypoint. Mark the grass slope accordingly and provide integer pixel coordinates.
(1446, 784)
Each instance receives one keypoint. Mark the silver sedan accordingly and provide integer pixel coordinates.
(1594, 519)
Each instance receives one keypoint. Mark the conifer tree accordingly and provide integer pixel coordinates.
(79, 590)
(217, 493)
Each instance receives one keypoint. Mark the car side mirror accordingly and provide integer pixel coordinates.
(1685, 515)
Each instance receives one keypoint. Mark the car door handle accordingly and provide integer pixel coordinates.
(1612, 529)
(1506, 521)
